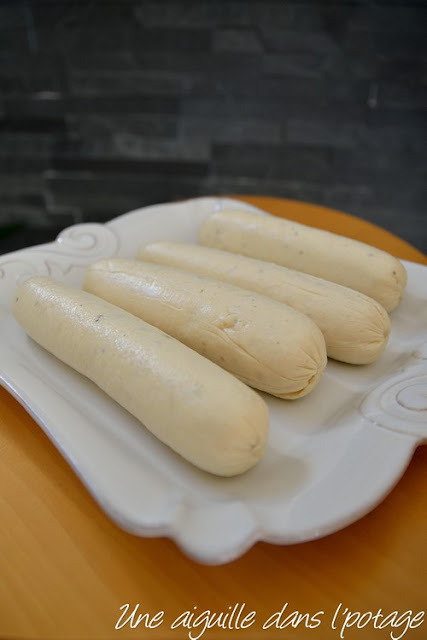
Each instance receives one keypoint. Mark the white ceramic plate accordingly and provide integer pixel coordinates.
(332, 456)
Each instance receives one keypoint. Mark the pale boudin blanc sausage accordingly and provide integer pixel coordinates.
(171, 389)
(315, 251)
(268, 345)
(355, 327)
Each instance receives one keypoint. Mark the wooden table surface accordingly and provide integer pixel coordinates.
(66, 569)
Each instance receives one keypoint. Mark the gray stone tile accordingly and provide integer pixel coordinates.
(244, 40)
(20, 213)
(229, 129)
(403, 70)
(404, 96)
(12, 16)
(390, 17)
(51, 14)
(179, 14)
(214, 14)
(129, 82)
(232, 106)
(41, 106)
(26, 151)
(121, 103)
(106, 61)
(127, 163)
(340, 133)
(227, 62)
(288, 41)
(102, 196)
(184, 149)
(29, 72)
(387, 119)
(14, 40)
(401, 43)
(173, 39)
(139, 138)
(306, 64)
(108, 125)
(288, 162)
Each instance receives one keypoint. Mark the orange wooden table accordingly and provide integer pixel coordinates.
(65, 569)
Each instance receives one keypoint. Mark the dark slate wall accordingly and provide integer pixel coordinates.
(106, 106)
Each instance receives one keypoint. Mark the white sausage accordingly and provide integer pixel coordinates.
(355, 326)
(171, 389)
(314, 251)
(268, 345)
